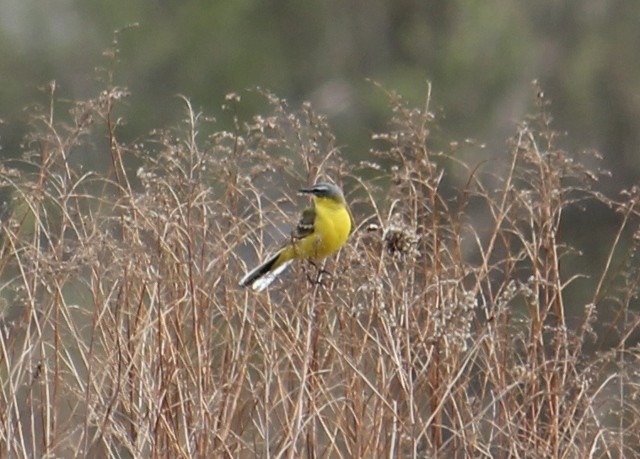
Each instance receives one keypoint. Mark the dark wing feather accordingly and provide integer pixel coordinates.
(305, 224)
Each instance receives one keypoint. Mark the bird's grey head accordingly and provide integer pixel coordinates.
(324, 190)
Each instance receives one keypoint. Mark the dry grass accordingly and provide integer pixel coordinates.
(442, 331)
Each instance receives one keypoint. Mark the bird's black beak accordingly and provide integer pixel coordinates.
(306, 190)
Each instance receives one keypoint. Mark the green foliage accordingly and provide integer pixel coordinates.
(480, 55)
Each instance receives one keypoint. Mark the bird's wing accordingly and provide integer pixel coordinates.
(305, 224)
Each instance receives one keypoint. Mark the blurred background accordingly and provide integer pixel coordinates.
(480, 56)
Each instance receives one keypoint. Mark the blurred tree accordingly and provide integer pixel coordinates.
(480, 56)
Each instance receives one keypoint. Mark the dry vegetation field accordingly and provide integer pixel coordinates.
(445, 328)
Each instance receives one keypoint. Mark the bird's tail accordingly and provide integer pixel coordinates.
(260, 277)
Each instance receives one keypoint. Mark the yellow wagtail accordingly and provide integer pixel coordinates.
(321, 231)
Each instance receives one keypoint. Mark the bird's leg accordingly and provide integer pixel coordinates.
(318, 274)
(308, 274)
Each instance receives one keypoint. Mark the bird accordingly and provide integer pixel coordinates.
(321, 231)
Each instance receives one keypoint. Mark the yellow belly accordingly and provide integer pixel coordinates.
(331, 230)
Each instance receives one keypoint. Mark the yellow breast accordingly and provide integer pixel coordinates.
(332, 227)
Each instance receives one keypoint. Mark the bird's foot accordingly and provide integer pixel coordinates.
(317, 277)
